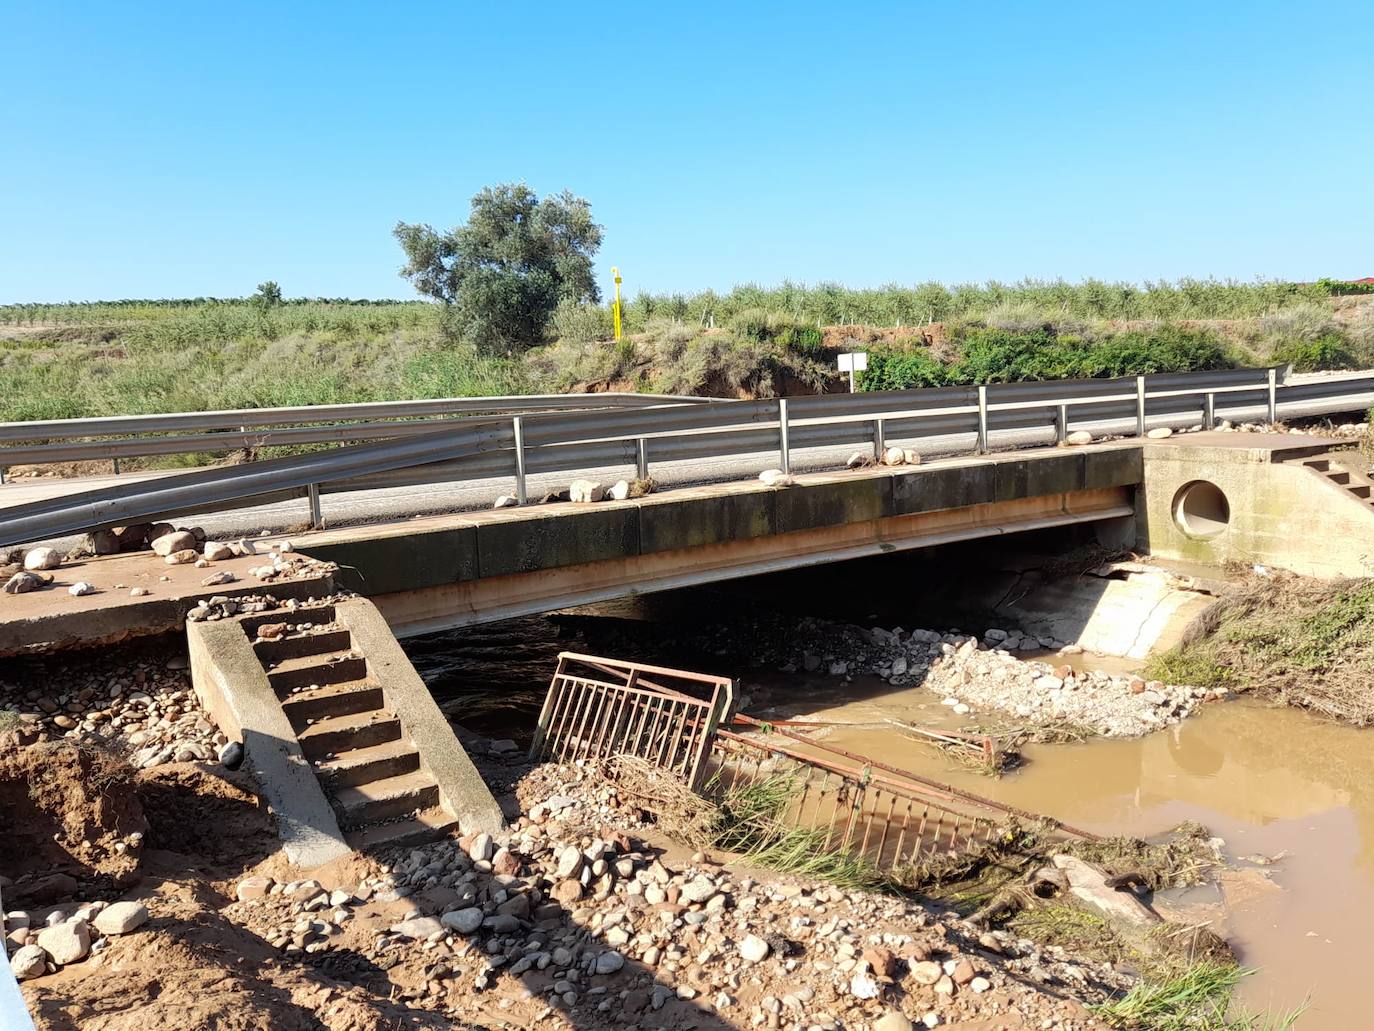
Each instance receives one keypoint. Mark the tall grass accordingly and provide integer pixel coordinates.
(828, 304)
(1199, 999)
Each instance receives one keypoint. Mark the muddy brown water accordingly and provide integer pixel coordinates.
(1268, 781)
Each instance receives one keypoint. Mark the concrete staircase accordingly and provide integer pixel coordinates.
(349, 747)
(366, 763)
(1356, 485)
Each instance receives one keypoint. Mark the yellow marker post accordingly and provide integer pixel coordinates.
(615, 308)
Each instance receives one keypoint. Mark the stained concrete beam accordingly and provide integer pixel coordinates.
(930, 489)
(833, 501)
(375, 565)
(700, 516)
(557, 535)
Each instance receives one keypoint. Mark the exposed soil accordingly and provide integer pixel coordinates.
(71, 815)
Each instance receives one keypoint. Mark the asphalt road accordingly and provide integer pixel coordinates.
(394, 503)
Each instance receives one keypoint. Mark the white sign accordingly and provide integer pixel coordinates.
(852, 362)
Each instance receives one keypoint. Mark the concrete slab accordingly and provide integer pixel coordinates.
(49, 619)
(1250, 447)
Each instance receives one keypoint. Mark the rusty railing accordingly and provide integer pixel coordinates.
(891, 818)
(598, 707)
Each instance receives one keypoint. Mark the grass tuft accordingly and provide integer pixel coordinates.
(1199, 999)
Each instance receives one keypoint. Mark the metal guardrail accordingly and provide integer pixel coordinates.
(519, 446)
(180, 433)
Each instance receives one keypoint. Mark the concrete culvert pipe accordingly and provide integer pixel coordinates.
(1201, 509)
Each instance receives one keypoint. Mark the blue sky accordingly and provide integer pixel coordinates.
(187, 149)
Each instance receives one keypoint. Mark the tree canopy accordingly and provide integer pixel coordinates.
(504, 272)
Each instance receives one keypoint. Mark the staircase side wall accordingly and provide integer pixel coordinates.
(464, 792)
(232, 686)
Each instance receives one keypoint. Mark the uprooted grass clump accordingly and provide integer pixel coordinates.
(1197, 999)
(1303, 642)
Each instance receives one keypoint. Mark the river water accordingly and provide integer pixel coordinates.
(1271, 782)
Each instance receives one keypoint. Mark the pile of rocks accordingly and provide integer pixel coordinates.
(41, 943)
(142, 706)
(973, 674)
(573, 912)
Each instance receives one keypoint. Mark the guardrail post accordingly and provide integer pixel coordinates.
(518, 425)
(1273, 397)
(784, 445)
(1209, 413)
(982, 447)
(116, 466)
(642, 458)
(2, 474)
(1140, 406)
(1061, 424)
(879, 439)
(313, 493)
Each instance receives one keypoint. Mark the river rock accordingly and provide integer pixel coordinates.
(216, 579)
(80, 589)
(893, 1020)
(893, 456)
(620, 490)
(184, 557)
(464, 921)
(586, 492)
(753, 949)
(24, 582)
(419, 928)
(30, 961)
(609, 963)
(217, 551)
(231, 755)
(42, 558)
(121, 918)
(1079, 437)
(254, 887)
(481, 848)
(67, 942)
(1159, 433)
(777, 478)
(177, 540)
(506, 501)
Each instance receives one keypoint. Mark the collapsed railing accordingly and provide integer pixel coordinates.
(891, 819)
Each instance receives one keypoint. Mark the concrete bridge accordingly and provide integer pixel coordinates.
(1277, 499)
(352, 752)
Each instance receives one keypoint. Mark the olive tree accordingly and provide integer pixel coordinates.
(503, 273)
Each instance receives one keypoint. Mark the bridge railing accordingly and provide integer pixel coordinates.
(522, 445)
(181, 433)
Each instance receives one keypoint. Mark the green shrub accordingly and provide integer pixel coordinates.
(761, 327)
(999, 356)
(582, 323)
(896, 369)
(1327, 352)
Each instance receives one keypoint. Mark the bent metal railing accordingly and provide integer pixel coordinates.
(519, 446)
(597, 707)
(892, 819)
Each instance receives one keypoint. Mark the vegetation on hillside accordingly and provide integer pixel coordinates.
(67, 361)
(1308, 643)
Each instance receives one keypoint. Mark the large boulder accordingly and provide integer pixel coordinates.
(42, 558)
(67, 942)
(177, 540)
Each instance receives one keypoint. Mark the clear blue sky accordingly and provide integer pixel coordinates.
(186, 149)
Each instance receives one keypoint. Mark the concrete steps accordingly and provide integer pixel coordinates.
(370, 771)
(345, 740)
(422, 827)
(1355, 485)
